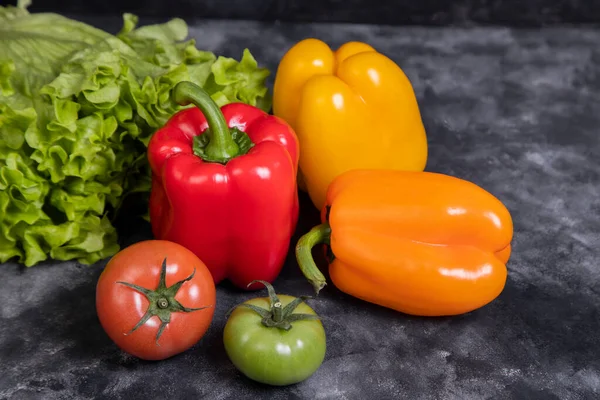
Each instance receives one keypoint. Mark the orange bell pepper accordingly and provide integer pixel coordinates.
(350, 108)
(420, 243)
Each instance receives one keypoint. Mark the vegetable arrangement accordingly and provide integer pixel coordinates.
(87, 118)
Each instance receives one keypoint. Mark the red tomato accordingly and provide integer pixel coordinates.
(155, 299)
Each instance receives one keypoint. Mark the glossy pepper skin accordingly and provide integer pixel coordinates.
(228, 193)
(420, 243)
(352, 108)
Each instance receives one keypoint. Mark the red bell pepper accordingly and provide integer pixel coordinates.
(224, 186)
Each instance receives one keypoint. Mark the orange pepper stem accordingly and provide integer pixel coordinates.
(320, 234)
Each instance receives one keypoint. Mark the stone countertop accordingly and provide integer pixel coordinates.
(389, 12)
(515, 111)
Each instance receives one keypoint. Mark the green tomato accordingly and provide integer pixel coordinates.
(276, 340)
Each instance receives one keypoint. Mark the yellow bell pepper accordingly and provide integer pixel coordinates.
(352, 108)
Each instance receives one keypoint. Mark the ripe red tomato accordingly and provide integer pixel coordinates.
(155, 299)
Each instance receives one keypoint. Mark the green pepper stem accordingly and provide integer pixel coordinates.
(221, 146)
(320, 234)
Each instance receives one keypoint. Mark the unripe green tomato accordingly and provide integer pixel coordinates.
(273, 355)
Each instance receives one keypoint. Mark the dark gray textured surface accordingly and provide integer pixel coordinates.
(517, 112)
(391, 12)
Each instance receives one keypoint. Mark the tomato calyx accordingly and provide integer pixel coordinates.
(162, 301)
(278, 316)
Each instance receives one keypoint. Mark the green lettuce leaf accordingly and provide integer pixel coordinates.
(242, 81)
(38, 43)
(78, 107)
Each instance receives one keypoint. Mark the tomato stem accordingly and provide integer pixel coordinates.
(162, 302)
(277, 316)
(277, 312)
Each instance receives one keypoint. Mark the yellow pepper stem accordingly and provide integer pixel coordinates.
(320, 234)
